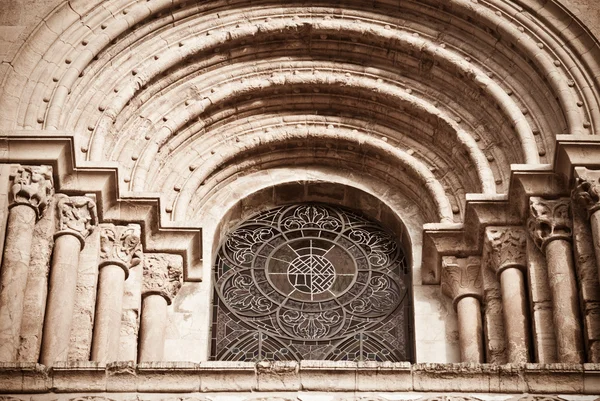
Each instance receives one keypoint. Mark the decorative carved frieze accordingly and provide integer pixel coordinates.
(461, 277)
(162, 275)
(587, 189)
(507, 248)
(549, 220)
(32, 186)
(76, 215)
(120, 245)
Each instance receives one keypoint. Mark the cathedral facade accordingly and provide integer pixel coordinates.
(292, 200)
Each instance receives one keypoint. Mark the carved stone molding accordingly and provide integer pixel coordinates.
(162, 275)
(461, 277)
(507, 248)
(549, 220)
(120, 245)
(76, 215)
(587, 189)
(31, 186)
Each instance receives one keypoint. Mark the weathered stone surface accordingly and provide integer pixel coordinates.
(120, 249)
(509, 262)
(30, 191)
(462, 282)
(80, 339)
(589, 284)
(34, 304)
(544, 339)
(425, 106)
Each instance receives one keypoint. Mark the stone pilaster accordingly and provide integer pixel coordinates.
(550, 227)
(76, 219)
(508, 259)
(162, 280)
(36, 292)
(586, 244)
(461, 281)
(120, 249)
(493, 317)
(30, 192)
(587, 194)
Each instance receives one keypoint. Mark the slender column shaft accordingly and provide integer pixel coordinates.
(564, 301)
(514, 305)
(470, 330)
(61, 299)
(76, 219)
(120, 249)
(13, 278)
(107, 324)
(153, 326)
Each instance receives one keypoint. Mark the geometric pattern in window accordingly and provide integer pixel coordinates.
(311, 281)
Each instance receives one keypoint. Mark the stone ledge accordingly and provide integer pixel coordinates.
(224, 376)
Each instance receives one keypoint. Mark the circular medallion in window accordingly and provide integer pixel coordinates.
(310, 281)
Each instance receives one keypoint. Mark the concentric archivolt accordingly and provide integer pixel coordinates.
(435, 98)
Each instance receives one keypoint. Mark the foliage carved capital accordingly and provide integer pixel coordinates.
(507, 247)
(32, 186)
(587, 189)
(461, 277)
(76, 215)
(549, 220)
(120, 245)
(163, 275)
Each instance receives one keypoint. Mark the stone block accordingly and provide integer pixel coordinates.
(384, 376)
(557, 378)
(507, 378)
(227, 376)
(277, 376)
(24, 377)
(121, 377)
(171, 377)
(78, 377)
(462, 377)
(326, 375)
(591, 378)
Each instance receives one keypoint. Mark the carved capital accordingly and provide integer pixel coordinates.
(507, 248)
(162, 275)
(76, 215)
(587, 189)
(120, 245)
(549, 220)
(32, 186)
(461, 277)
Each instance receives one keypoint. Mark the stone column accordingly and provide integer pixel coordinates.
(587, 193)
(31, 189)
(461, 281)
(509, 262)
(76, 219)
(120, 249)
(161, 282)
(550, 227)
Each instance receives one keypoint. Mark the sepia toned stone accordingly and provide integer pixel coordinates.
(550, 226)
(34, 304)
(30, 190)
(161, 282)
(587, 278)
(76, 219)
(119, 251)
(509, 261)
(462, 282)
(454, 124)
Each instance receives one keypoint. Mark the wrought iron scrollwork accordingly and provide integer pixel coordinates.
(311, 281)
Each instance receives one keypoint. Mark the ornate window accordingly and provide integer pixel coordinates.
(311, 281)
